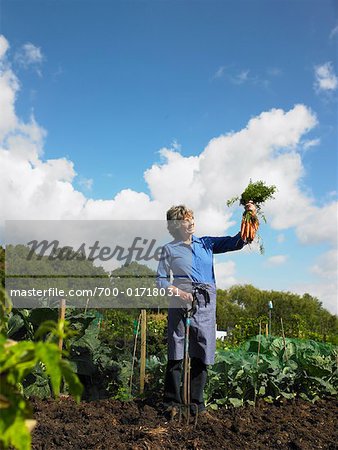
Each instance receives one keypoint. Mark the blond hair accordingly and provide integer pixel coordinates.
(174, 217)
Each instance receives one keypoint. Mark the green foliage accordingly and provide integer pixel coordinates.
(140, 281)
(5, 309)
(154, 381)
(272, 369)
(90, 357)
(257, 192)
(117, 328)
(123, 394)
(24, 323)
(27, 270)
(17, 361)
(155, 369)
(133, 270)
(246, 328)
(156, 333)
(241, 308)
(119, 332)
(98, 346)
(22, 261)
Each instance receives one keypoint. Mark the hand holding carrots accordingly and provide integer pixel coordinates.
(252, 198)
(250, 222)
(250, 206)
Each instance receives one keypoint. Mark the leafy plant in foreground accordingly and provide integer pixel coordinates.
(17, 361)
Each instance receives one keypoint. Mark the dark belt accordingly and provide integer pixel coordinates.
(197, 288)
(201, 288)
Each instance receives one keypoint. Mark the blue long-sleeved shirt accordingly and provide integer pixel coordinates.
(193, 262)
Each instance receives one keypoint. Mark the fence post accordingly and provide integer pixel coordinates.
(143, 349)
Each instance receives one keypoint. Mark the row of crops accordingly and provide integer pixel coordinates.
(96, 362)
(273, 368)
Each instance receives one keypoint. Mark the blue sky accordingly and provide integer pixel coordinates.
(113, 82)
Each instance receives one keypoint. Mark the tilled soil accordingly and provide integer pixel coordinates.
(140, 424)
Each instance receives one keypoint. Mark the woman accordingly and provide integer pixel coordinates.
(186, 271)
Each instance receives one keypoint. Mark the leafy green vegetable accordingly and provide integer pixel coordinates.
(272, 369)
(17, 361)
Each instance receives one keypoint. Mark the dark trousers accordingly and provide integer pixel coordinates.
(173, 381)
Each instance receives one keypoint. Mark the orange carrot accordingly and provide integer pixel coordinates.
(242, 227)
(244, 233)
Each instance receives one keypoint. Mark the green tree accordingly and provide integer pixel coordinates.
(302, 316)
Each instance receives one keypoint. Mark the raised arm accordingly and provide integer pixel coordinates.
(224, 244)
(230, 243)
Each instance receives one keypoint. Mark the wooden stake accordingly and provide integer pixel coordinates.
(86, 305)
(134, 354)
(143, 349)
(266, 330)
(259, 341)
(284, 342)
(62, 315)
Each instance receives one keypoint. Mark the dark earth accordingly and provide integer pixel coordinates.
(140, 424)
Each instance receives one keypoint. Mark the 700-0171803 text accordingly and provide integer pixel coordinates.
(97, 291)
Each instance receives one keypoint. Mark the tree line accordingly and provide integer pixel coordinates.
(242, 310)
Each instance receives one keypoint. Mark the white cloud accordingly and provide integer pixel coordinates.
(266, 149)
(9, 86)
(57, 73)
(174, 180)
(280, 238)
(274, 71)
(238, 77)
(219, 72)
(225, 274)
(86, 183)
(242, 77)
(4, 46)
(325, 292)
(277, 260)
(310, 143)
(318, 224)
(126, 205)
(30, 55)
(326, 265)
(325, 280)
(325, 78)
(334, 32)
(34, 187)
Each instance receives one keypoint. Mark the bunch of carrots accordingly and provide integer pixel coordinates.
(249, 226)
(257, 193)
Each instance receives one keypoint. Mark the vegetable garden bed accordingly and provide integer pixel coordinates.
(112, 424)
